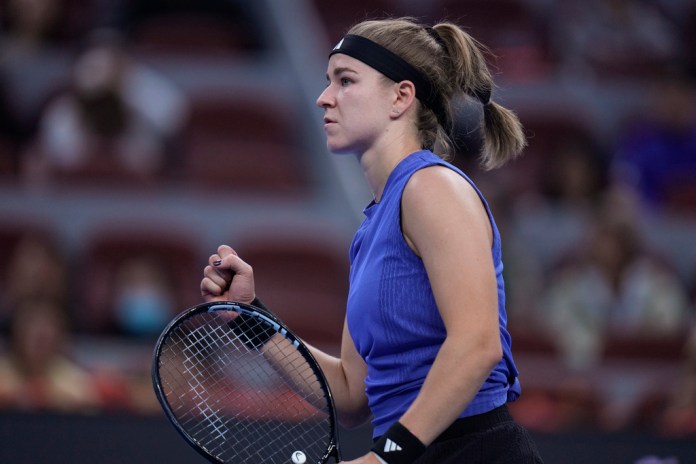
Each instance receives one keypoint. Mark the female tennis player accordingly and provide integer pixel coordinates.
(425, 349)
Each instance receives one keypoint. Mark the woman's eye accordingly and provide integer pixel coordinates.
(345, 81)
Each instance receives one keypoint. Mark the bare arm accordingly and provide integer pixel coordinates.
(449, 229)
(346, 377)
(228, 277)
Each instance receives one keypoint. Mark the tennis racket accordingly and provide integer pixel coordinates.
(240, 387)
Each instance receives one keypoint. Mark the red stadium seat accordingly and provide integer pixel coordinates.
(338, 17)
(191, 34)
(245, 144)
(511, 29)
(495, 23)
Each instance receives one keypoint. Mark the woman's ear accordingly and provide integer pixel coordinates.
(404, 96)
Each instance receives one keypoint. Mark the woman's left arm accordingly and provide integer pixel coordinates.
(446, 224)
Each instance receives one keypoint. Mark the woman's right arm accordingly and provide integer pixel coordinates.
(229, 278)
(346, 377)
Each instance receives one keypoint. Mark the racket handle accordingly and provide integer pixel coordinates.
(253, 334)
(256, 302)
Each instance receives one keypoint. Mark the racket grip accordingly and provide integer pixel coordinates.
(249, 330)
(256, 302)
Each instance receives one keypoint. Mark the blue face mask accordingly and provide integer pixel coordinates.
(143, 312)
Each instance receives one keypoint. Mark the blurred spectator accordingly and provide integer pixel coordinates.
(612, 286)
(37, 268)
(117, 118)
(143, 301)
(554, 211)
(574, 178)
(36, 372)
(624, 36)
(547, 219)
(656, 156)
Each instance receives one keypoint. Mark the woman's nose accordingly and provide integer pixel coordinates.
(324, 99)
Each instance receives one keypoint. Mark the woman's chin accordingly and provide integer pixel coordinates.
(339, 150)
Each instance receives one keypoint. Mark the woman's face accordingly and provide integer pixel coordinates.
(356, 102)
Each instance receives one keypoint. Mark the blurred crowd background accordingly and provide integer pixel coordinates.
(137, 135)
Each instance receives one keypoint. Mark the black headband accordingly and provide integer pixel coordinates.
(394, 67)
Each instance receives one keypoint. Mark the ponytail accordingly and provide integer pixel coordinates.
(503, 137)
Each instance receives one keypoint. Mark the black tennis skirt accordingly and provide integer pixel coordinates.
(489, 438)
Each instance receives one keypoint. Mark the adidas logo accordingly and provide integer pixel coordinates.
(390, 446)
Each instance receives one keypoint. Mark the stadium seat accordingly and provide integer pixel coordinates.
(191, 35)
(245, 144)
(338, 17)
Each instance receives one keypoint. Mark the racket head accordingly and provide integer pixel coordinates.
(235, 403)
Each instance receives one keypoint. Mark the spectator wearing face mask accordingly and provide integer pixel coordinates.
(142, 299)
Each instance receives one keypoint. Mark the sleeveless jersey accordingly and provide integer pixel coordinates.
(391, 311)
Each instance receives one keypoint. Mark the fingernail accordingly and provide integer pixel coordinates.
(217, 263)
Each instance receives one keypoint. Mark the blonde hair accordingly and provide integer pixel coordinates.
(453, 61)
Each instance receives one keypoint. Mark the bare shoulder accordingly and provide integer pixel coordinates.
(439, 183)
(437, 201)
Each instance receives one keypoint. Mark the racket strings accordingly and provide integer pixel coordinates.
(237, 404)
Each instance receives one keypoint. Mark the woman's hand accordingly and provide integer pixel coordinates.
(227, 278)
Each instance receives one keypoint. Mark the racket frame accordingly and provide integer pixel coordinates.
(333, 450)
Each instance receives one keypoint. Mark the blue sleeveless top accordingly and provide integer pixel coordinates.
(391, 312)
